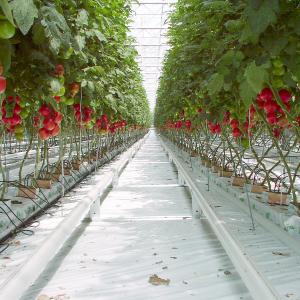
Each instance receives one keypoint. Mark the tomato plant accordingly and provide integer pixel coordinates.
(233, 68)
(67, 53)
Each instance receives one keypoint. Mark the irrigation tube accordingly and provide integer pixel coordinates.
(258, 286)
(14, 287)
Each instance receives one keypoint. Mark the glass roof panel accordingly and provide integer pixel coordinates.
(149, 27)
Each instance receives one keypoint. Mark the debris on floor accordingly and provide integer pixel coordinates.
(155, 280)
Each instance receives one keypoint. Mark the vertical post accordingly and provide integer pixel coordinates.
(208, 179)
(196, 210)
(115, 179)
(181, 181)
(94, 212)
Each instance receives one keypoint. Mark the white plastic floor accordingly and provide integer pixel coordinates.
(145, 228)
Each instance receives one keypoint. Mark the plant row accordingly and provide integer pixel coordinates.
(232, 73)
(68, 65)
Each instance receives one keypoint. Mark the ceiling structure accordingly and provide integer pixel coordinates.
(149, 28)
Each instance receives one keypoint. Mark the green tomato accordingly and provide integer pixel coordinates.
(68, 53)
(19, 129)
(279, 72)
(277, 63)
(245, 143)
(24, 113)
(7, 30)
(89, 125)
(69, 101)
(19, 136)
(23, 103)
(61, 91)
(61, 80)
(278, 83)
(63, 100)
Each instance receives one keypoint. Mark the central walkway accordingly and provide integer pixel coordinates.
(145, 229)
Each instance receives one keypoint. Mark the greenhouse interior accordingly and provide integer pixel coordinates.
(150, 149)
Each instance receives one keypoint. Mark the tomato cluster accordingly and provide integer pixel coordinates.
(83, 114)
(11, 111)
(215, 128)
(117, 125)
(274, 113)
(50, 119)
(102, 123)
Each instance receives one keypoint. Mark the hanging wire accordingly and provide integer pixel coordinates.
(244, 172)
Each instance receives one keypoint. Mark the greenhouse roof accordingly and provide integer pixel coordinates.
(149, 27)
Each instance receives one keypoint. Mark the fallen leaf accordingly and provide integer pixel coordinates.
(14, 242)
(280, 253)
(227, 272)
(155, 280)
(184, 282)
(43, 297)
(159, 262)
(288, 295)
(174, 257)
(165, 268)
(60, 297)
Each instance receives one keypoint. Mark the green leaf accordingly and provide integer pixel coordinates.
(275, 43)
(80, 40)
(55, 86)
(294, 66)
(95, 70)
(83, 83)
(265, 14)
(247, 94)
(24, 12)
(82, 17)
(7, 11)
(91, 85)
(56, 28)
(38, 34)
(245, 143)
(256, 77)
(5, 54)
(215, 84)
(100, 36)
(256, 3)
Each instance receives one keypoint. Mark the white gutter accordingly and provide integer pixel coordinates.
(258, 285)
(14, 287)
